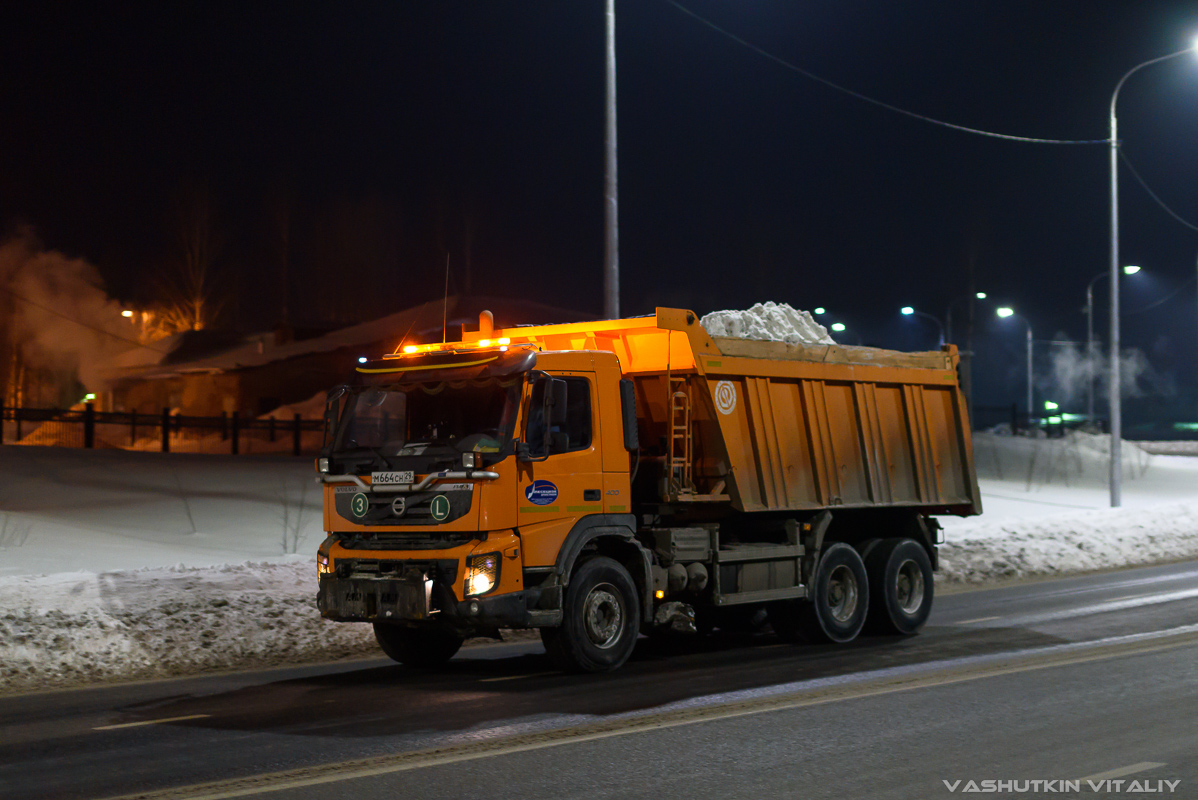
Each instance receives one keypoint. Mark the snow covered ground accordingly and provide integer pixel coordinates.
(119, 565)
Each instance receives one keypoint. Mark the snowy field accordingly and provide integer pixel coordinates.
(120, 565)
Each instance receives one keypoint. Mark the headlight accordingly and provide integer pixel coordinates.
(482, 573)
(469, 460)
(322, 565)
(322, 465)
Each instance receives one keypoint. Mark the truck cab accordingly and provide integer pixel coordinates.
(453, 479)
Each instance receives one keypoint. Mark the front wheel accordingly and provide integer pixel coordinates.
(417, 647)
(900, 581)
(600, 619)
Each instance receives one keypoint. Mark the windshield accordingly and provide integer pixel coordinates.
(418, 426)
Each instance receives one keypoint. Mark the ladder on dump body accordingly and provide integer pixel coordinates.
(681, 452)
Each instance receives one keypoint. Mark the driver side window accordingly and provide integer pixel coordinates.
(575, 434)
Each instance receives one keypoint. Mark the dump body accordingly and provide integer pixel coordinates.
(789, 427)
(637, 472)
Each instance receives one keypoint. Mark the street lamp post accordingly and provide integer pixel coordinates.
(1116, 468)
(611, 243)
(1008, 312)
(908, 311)
(948, 315)
(1091, 355)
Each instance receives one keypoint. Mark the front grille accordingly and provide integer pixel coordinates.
(404, 540)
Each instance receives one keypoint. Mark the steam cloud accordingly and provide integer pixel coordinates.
(1073, 370)
(55, 314)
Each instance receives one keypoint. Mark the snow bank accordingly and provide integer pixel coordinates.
(118, 518)
(981, 550)
(773, 321)
(76, 628)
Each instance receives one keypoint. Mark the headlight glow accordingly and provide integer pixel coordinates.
(323, 567)
(482, 573)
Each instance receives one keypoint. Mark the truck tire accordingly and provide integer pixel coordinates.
(600, 619)
(900, 587)
(417, 647)
(836, 608)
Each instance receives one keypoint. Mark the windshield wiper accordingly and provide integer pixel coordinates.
(376, 452)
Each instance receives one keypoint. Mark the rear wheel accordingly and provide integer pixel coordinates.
(600, 619)
(901, 589)
(836, 607)
(417, 647)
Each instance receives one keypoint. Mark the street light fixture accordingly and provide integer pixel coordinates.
(1116, 468)
(1005, 312)
(1091, 354)
(948, 314)
(908, 311)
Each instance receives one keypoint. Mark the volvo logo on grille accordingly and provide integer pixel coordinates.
(398, 506)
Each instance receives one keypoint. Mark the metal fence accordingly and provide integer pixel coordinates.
(165, 432)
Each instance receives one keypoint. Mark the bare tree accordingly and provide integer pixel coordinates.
(188, 296)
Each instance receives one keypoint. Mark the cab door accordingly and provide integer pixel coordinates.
(554, 493)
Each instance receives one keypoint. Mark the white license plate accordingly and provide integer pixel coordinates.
(391, 478)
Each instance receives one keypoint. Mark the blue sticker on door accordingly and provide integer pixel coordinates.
(540, 493)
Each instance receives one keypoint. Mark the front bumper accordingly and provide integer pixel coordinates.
(418, 600)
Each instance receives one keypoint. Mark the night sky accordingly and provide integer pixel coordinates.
(391, 134)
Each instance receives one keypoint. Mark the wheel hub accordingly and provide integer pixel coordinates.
(842, 593)
(603, 616)
(909, 590)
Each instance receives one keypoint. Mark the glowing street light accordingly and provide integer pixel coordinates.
(1005, 312)
(908, 311)
(819, 311)
(1091, 353)
(837, 326)
(1116, 466)
(127, 314)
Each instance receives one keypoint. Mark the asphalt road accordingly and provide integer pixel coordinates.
(1091, 679)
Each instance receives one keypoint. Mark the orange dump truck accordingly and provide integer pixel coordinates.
(605, 479)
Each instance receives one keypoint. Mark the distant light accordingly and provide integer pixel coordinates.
(659, 594)
(126, 313)
(89, 397)
(361, 359)
(820, 310)
(484, 342)
(838, 326)
(980, 295)
(410, 348)
(505, 340)
(907, 311)
(1004, 311)
(1050, 406)
(1130, 270)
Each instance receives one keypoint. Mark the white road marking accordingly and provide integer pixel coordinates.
(979, 619)
(1143, 766)
(1104, 607)
(516, 677)
(149, 722)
